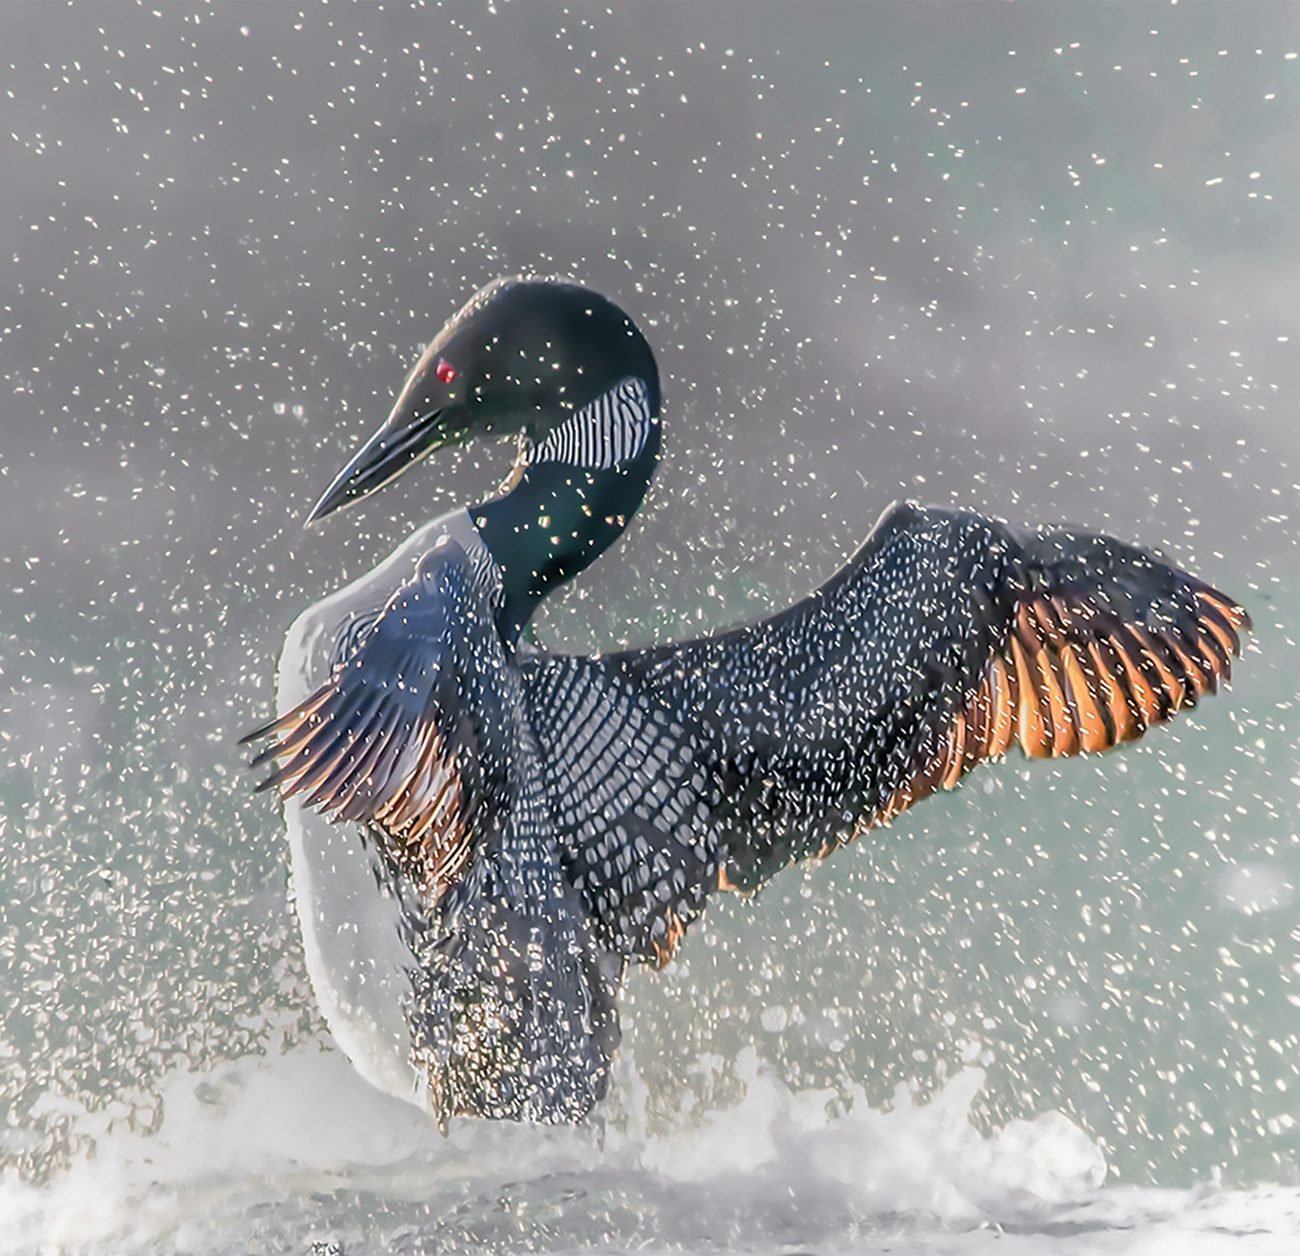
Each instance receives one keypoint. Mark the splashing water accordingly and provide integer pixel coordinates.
(274, 1153)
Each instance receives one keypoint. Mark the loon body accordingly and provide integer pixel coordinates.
(530, 822)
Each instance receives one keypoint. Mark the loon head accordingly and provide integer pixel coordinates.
(572, 374)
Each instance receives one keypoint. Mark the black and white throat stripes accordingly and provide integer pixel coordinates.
(611, 430)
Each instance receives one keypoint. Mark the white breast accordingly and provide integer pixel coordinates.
(355, 955)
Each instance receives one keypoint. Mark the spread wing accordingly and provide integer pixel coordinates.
(946, 640)
(398, 739)
(418, 737)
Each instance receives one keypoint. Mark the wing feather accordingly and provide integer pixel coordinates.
(383, 741)
(947, 640)
(1087, 680)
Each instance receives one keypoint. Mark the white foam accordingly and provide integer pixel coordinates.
(792, 1165)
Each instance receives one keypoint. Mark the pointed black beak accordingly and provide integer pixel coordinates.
(382, 458)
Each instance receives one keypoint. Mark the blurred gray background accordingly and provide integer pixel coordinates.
(1035, 260)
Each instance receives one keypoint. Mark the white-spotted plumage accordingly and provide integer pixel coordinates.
(615, 793)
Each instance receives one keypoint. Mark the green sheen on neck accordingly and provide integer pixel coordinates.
(554, 523)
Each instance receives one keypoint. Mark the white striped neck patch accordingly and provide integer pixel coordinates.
(611, 430)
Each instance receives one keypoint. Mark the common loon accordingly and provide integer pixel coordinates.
(531, 822)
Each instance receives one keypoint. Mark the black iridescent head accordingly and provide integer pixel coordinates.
(572, 374)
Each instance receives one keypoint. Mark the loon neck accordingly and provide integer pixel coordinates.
(556, 521)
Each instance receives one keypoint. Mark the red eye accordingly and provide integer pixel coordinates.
(445, 371)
